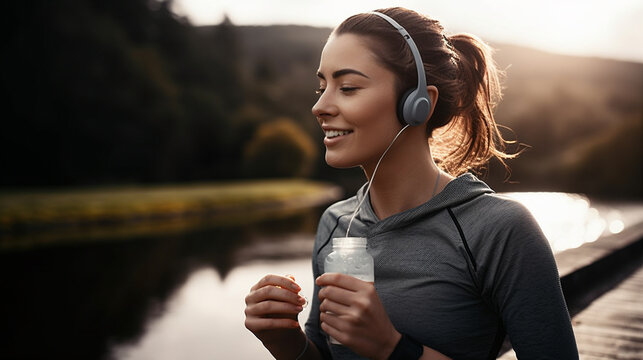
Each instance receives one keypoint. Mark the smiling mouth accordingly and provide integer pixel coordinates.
(335, 133)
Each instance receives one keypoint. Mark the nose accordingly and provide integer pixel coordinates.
(324, 106)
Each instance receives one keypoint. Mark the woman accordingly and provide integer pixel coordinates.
(457, 267)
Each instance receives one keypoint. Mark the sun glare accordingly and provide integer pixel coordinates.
(568, 220)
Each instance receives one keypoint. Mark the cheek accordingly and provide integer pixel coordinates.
(374, 112)
(374, 120)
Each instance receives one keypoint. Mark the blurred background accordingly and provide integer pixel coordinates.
(158, 157)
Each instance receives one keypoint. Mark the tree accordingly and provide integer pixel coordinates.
(279, 148)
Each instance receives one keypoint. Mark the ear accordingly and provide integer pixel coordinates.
(433, 95)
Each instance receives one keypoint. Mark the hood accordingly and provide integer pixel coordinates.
(461, 189)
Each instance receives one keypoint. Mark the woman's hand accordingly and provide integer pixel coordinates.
(352, 313)
(272, 307)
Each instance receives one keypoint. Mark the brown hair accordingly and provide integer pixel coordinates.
(462, 69)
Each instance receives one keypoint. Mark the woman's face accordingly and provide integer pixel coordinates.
(357, 103)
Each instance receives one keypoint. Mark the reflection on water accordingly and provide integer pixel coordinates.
(204, 319)
(568, 220)
(181, 296)
(80, 301)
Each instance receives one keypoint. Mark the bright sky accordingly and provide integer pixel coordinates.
(605, 28)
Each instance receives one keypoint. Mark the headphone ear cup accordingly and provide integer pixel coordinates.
(400, 107)
(417, 107)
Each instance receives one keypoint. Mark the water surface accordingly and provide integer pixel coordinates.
(181, 296)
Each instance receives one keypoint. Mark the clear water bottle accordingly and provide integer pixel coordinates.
(349, 256)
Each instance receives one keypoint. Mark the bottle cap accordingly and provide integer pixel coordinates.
(349, 242)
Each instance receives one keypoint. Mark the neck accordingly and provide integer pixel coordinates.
(405, 178)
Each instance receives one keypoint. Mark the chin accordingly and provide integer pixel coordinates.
(339, 163)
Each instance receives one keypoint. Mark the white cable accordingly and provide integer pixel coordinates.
(370, 182)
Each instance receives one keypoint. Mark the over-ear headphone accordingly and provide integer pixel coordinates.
(415, 105)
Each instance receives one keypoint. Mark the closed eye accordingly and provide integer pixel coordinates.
(348, 89)
(344, 89)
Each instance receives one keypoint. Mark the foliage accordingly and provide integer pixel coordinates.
(124, 91)
(118, 91)
(279, 149)
(152, 208)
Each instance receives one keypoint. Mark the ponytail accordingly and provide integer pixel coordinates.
(472, 137)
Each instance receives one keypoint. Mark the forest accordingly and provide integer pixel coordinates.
(127, 92)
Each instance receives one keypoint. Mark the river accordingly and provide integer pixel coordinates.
(181, 295)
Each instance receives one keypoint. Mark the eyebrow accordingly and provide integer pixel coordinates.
(342, 72)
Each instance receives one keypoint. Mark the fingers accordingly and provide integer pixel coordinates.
(255, 324)
(272, 307)
(333, 307)
(337, 295)
(339, 327)
(278, 280)
(340, 317)
(274, 293)
(333, 332)
(275, 287)
(341, 280)
(273, 303)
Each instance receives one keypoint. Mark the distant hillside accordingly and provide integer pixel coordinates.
(563, 106)
(567, 96)
(127, 92)
(124, 91)
(284, 59)
(554, 103)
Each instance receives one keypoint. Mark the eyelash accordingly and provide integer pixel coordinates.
(348, 89)
(345, 89)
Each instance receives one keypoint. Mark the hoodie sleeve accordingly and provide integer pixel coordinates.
(520, 279)
(313, 327)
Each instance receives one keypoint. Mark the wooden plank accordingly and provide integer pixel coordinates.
(612, 326)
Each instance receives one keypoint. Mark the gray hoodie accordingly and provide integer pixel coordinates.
(457, 273)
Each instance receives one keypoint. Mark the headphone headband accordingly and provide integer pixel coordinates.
(415, 106)
(414, 49)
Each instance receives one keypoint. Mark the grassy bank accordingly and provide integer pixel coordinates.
(46, 214)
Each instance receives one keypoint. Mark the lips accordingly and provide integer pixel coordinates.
(335, 133)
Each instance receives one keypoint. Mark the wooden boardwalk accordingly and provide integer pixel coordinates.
(612, 326)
